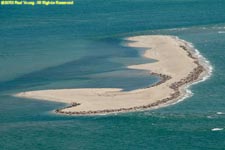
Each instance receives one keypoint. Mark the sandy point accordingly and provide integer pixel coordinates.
(176, 65)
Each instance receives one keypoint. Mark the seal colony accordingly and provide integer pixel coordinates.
(177, 66)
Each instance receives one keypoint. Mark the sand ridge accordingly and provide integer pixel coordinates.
(176, 66)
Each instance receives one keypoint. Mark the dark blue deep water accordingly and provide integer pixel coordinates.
(82, 46)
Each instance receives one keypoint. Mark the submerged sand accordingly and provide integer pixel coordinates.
(176, 66)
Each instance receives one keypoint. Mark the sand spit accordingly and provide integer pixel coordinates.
(177, 66)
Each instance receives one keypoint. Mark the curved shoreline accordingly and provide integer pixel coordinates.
(193, 76)
(179, 88)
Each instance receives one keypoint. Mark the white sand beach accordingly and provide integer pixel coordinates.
(175, 65)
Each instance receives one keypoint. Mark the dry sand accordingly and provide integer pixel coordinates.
(173, 61)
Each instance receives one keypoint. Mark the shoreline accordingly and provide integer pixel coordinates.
(174, 86)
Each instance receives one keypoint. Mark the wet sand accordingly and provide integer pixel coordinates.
(176, 66)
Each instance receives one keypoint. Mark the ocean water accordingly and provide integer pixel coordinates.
(83, 46)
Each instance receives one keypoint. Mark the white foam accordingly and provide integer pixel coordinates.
(216, 129)
(177, 29)
(221, 32)
(202, 60)
(188, 94)
(210, 117)
(218, 28)
(219, 113)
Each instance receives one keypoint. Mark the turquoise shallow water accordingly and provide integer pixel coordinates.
(51, 47)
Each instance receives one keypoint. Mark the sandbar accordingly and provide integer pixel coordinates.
(176, 65)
